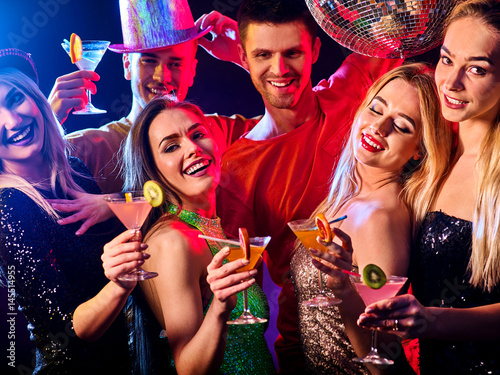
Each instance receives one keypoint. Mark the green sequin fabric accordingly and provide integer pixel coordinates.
(246, 347)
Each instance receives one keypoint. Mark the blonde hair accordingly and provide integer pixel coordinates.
(485, 256)
(435, 146)
(54, 149)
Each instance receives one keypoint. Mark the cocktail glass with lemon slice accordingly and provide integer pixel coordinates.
(132, 209)
(86, 55)
(252, 251)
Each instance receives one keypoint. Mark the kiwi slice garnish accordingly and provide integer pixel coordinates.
(374, 277)
(153, 193)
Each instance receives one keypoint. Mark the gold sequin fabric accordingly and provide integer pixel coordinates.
(324, 343)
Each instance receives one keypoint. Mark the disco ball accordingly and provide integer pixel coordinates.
(383, 28)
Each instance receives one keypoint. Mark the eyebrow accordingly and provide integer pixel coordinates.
(175, 58)
(408, 118)
(256, 51)
(177, 135)
(471, 58)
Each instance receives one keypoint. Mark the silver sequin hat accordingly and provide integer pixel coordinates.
(149, 25)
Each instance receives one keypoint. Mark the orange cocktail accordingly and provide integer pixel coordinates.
(237, 253)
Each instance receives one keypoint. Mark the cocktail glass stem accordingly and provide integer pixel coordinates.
(137, 274)
(320, 279)
(321, 298)
(137, 236)
(373, 356)
(246, 310)
(246, 317)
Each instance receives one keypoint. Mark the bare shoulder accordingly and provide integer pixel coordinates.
(382, 236)
(380, 214)
(176, 240)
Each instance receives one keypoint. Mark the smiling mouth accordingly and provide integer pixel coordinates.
(281, 84)
(22, 135)
(162, 91)
(371, 143)
(454, 101)
(198, 167)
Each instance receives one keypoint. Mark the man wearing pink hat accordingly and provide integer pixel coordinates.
(159, 47)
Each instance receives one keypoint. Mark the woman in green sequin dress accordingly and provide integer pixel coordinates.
(196, 291)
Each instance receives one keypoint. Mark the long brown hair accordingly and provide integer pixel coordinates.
(137, 164)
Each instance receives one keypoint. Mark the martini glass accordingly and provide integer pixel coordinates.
(132, 209)
(307, 232)
(257, 246)
(92, 52)
(369, 296)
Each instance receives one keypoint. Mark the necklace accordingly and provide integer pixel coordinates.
(209, 227)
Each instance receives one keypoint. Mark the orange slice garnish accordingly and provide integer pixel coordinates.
(244, 242)
(325, 232)
(75, 48)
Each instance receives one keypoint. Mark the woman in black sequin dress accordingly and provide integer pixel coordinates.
(55, 276)
(455, 270)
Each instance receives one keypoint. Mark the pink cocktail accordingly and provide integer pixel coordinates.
(132, 209)
(369, 296)
(390, 289)
(132, 214)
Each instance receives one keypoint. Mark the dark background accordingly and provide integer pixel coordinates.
(39, 26)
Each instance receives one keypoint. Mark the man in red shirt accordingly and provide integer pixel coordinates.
(280, 170)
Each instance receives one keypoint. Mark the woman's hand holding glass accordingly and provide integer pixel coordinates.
(333, 262)
(122, 257)
(402, 316)
(225, 282)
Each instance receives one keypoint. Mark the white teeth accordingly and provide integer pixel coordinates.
(371, 143)
(197, 166)
(280, 84)
(454, 101)
(22, 135)
(158, 92)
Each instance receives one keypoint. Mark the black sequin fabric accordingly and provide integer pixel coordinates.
(439, 278)
(54, 272)
(324, 343)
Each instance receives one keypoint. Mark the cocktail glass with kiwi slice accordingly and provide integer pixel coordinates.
(373, 286)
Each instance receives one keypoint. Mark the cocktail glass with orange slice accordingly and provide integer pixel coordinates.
(307, 231)
(91, 52)
(132, 209)
(257, 246)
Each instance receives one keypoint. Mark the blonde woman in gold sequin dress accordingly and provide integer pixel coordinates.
(398, 121)
(195, 294)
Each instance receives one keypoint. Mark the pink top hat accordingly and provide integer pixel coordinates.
(149, 25)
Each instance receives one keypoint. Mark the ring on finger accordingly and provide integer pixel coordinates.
(396, 325)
